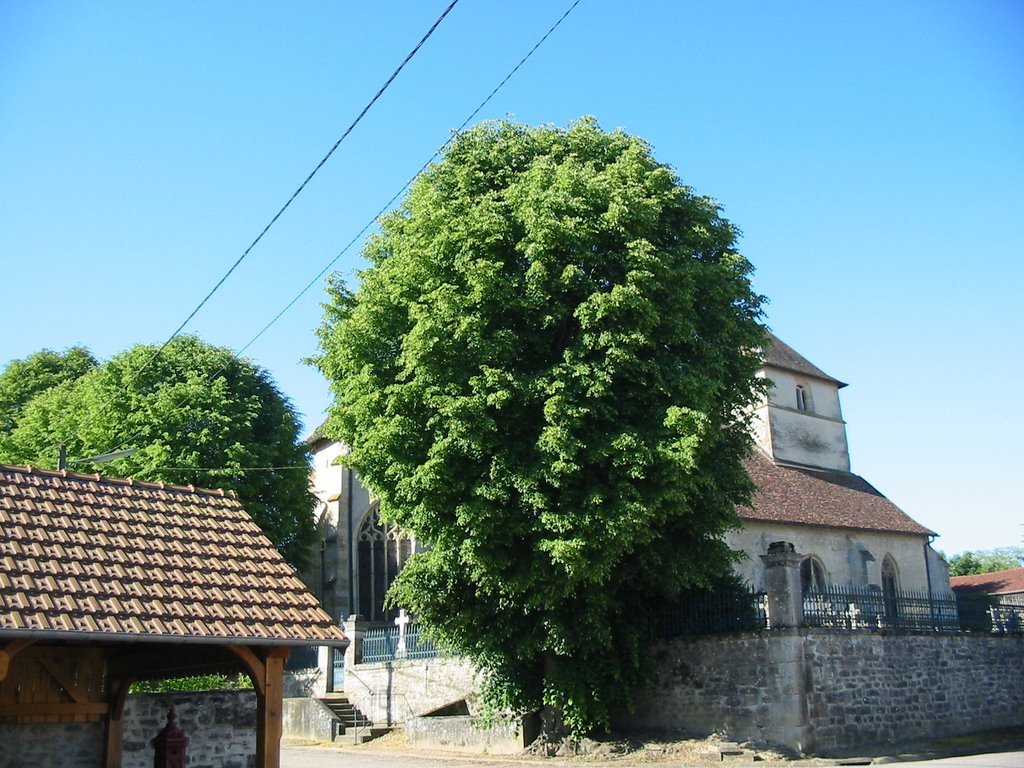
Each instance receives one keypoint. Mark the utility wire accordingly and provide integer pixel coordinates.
(380, 213)
(284, 207)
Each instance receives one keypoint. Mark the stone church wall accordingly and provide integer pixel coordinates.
(835, 693)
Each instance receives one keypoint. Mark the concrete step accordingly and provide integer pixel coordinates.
(351, 725)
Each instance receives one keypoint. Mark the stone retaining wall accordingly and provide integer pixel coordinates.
(834, 693)
(390, 693)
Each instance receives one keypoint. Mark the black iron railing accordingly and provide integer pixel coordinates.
(385, 644)
(713, 612)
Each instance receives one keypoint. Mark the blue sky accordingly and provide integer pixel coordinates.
(872, 153)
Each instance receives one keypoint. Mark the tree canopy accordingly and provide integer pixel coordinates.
(986, 561)
(544, 373)
(196, 415)
(22, 380)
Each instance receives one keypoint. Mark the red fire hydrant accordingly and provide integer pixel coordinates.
(171, 744)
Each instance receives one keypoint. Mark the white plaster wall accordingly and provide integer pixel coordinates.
(824, 394)
(816, 438)
(804, 438)
(327, 473)
(832, 547)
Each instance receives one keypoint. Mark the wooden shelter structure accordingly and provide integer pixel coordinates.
(107, 581)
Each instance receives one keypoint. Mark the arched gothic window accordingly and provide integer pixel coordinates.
(890, 586)
(381, 551)
(812, 575)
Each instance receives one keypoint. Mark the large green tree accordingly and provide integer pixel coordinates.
(195, 414)
(21, 380)
(544, 374)
(986, 561)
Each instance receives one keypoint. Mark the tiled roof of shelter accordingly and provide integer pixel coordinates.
(805, 496)
(779, 354)
(996, 583)
(103, 557)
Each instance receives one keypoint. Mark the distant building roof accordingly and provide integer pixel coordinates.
(1009, 582)
(779, 354)
(86, 556)
(821, 497)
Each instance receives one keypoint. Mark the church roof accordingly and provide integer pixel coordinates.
(1009, 582)
(92, 557)
(779, 354)
(821, 497)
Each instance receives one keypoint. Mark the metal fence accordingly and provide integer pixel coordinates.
(384, 643)
(713, 612)
(995, 614)
(844, 608)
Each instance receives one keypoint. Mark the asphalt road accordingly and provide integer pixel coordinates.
(332, 757)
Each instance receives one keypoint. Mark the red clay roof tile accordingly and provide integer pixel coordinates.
(83, 553)
(821, 497)
(1008, 582)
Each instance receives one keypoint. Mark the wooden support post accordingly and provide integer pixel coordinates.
(115, 723)
(269, 725)
(267, 675)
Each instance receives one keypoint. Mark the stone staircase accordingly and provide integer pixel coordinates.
(350, 725)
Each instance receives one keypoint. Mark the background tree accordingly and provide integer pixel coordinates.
(196, 415)
(543, 374)
(986, 561)
(22, 380)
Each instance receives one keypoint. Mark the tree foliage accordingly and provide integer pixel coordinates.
(196, 415)
(22, 380)
(543, 374)
(986, 561)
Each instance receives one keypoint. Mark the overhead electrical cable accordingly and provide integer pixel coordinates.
(291, 199)
(387, 206)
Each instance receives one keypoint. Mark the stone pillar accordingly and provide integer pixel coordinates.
(354, 629)
(782, 575)
(789, 707)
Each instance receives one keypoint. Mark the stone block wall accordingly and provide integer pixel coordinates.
(747, 687)
(868, 689)
(30, 745)
(221, 726)
(834, 693)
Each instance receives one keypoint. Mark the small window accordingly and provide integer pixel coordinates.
(803, 398)
(812, 575)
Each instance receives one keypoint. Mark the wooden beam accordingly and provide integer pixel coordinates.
(57, 709)
(8, 652)
(172, 661)
(254, 666)
(77, 694)
(114, 747)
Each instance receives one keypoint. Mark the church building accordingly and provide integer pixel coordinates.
(849, 533)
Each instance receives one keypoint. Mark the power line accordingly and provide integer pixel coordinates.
(284, 207)
(379, 214)
(389, 203)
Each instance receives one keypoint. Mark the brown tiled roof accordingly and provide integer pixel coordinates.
(996, 583)
(85, 554)
(779, 354)
(788, 494)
